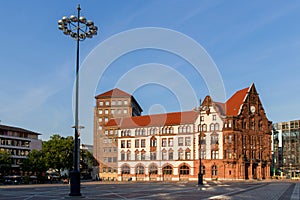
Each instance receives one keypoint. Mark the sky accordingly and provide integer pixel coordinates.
(245, 42)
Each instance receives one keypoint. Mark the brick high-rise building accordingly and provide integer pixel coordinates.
(112, 104)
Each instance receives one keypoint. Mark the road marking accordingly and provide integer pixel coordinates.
(295, 194)
(224, 196)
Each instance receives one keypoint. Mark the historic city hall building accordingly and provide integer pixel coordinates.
(232, 139)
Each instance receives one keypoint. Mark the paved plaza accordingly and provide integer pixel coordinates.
(157, 190)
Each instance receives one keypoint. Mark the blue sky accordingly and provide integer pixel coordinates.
(249, 41)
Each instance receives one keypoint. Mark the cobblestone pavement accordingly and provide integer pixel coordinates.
(265, 190)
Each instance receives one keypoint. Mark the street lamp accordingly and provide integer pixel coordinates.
(78, 28)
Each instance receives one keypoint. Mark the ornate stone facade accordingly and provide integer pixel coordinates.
(232, 138)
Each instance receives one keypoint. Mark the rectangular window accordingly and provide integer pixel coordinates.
(170, 142)
(106, 111)
(143, 143)
(125, 102)
(100, 112)
(106, 119)
(229, 138)
(137, 144)
(164, 142)
(180, 141)
(122, 143)
(113, 102)
(202, 118)
(104, 140)
(128, 144)
(187, 141)
(229, 153)
(100, 119)
(109, 159)
(119, 111)
(106, 132)
(125, 111)
(101, 103)
(119, 102)
(214, 117)
(107, 103)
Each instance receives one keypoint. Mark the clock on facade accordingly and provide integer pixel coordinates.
(252, 109)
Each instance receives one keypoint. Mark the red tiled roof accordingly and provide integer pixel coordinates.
(113, 93)
(233, 104)
(155, 120)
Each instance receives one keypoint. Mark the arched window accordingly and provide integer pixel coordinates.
(128, 133)
(137, 132)
(153, 169)
(217, 127)
(188, 129)
(122, 133)
(184, 170)
(204, 127)
(122, 155)
(143, 131)
(212, 127)
(214, 170)
(180, 129)
(128, 155)
(125, 169)
(168, 170)
(140, 169)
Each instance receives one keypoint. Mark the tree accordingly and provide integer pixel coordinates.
(5, 162)
(34, 163)
(58, 152)
(87, 161)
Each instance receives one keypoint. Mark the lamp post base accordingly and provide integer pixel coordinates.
(200, 179)
(75, 183)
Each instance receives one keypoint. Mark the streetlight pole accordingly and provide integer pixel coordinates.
(200, 176)
(79, 29)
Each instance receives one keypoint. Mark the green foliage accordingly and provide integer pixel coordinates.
(58, 152)
(5, 162)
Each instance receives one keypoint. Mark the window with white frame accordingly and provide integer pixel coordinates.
(187, 141)
(180, 141)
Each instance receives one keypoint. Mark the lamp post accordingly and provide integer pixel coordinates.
(79, 29)
(200, 176)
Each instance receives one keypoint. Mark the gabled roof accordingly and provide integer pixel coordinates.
(166, 119)
(116, 92)
(233, 105)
